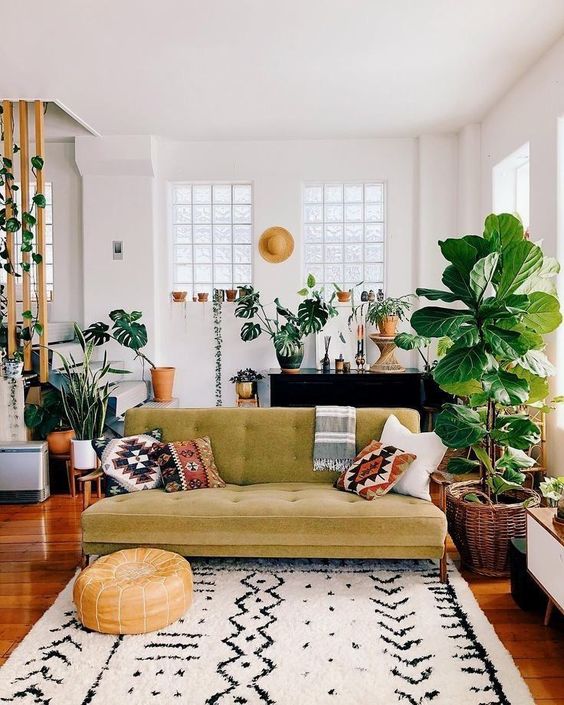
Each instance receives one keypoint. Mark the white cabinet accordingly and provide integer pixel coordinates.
(545, 554)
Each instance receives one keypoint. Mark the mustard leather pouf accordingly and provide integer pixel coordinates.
(133, 591)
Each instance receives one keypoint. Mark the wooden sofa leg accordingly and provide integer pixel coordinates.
(443, 572)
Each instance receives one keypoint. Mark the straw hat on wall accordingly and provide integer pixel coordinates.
(276, 244)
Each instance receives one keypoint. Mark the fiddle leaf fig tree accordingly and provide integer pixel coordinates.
(500, 300)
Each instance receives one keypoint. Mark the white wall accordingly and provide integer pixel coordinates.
(530, 112)
(277, 170)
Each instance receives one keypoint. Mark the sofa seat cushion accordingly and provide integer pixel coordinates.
(290, 514)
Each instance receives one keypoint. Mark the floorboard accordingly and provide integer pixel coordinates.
(40, 551)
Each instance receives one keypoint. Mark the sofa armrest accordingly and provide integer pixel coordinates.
(87, 480)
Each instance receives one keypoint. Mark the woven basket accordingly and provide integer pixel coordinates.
(482, 532)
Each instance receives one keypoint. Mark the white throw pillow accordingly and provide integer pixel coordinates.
(428, 448)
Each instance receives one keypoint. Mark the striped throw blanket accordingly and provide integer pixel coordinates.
(335, 438)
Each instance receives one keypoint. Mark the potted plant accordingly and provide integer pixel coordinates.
(50, 422)
(345, 295)
(387, 312)
(500, 301)
(13, 365)
(552, 489)
(287, 330)
(246, 382)
(128, 331)
(85, 395)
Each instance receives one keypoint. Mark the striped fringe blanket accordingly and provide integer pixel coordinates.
(335, 438)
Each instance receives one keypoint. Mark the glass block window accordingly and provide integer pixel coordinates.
(344, 234)
(48, 212)
(212, 235)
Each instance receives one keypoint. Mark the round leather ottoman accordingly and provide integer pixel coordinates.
(133, 591)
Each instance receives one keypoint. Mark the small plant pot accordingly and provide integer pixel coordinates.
(179, 296)
(245, 390)
(13, 368)
(59, 442)
(203, 297)
(343, 297)
(231, 294)
(290, 364)
(388, 326)
(83, 455)
(163, 382)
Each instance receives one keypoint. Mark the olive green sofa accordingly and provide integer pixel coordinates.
(274, 503)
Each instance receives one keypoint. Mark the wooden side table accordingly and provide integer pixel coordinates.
(545, 556)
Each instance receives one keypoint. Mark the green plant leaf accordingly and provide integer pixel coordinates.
(482, 273)
(498, 484)
(37, 162)
(39, 200)
(521, 260)
(312, 315)
(517, 431)
(504, 343)
(462, 466)
(467, 337)
(544, 314)
(506, 388)
(460, 365)
(459, 426)
(503, 229)
(303, 292)
(97, 333)
(436, 322)
(437, 295)
(458, 283)
(544, 279)
(472, 497)
(538, 386)
(408, 341)
(12, 225)
(250, 331)
(462, 389)
(443, 346)
(283, 311)
(462, 255)
(536, 362)
(514, 459)
(310, 281)
(483, 247)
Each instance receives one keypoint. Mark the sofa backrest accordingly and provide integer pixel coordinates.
(260, 445)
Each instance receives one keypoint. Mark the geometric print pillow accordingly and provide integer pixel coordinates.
(187, 465)
(375, 470)
(127, 462)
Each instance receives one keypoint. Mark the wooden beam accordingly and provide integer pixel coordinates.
(40, 246)
(10, 244)
(24, 201)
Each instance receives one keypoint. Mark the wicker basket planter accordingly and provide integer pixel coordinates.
(482, 532)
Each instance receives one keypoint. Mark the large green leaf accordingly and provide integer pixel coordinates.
(514, 459)
(283, 311)
(437, 295)
(462, 255)
(506, 388)
(250, 331)
(499, 484)
(97, 333)
(502, 229)
(482, 246)
(459, 427)
(521, 260)
(538, 386)
(516, 431)
(436, 322)
(312, 316)
(482, 274)
(458, 283)
(467, 337)
(460, 365)
(544, 279)
(461, 466)
(504, 343)
(462, 389)
(536, 362)
(544, 314)
(408, 341)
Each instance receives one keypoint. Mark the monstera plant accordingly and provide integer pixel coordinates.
(500, 300)
(286, 329)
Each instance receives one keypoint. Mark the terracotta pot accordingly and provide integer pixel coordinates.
(388, 326)
(179, 296)
(59, 442)
(163, 381)
(231, 294)
(343, 296)
(83, 455)
(203, 297)
(245, 389)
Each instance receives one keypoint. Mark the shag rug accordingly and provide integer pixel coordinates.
(291, 632)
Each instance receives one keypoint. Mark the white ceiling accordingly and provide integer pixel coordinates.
(261, 69)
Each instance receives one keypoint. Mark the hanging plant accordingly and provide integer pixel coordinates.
(13, 221)
(218, 342)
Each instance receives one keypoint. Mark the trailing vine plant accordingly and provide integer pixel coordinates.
(13, 221)
(218, 342)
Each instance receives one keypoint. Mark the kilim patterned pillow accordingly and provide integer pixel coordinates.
(127, 464)
(187, 465)
(375, 470)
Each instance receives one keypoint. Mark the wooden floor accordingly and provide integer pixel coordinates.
(40, 550)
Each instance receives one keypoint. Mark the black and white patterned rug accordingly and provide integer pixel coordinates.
(290, 632)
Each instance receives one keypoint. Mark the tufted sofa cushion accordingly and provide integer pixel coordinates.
(260, 445)
(264, 519)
